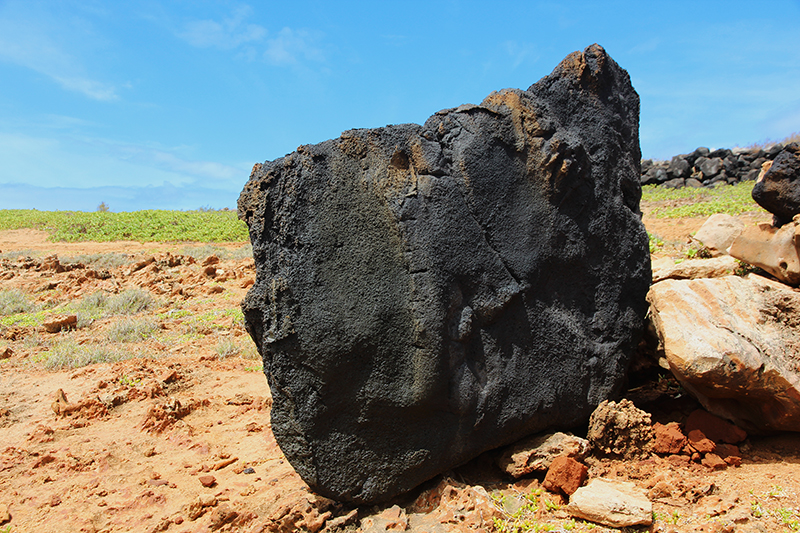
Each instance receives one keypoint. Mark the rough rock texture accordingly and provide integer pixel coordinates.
(734, 343)
(620, 430)
(565, 475)
(778, 190)
(611, 503)
(535, 454)
(714, 428)
(669, 439)
(426, 293)
(776, 250)
(718, 232)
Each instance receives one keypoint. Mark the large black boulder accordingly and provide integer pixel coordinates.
(778, 190)
(426, 293)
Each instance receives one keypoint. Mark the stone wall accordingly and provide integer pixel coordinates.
(707, 168)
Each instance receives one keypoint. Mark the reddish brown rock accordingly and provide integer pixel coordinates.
(714, 462)
(565, 475)
(207, 481)
(669, 439)
(700, 443)
(714, 428)
(536, 453)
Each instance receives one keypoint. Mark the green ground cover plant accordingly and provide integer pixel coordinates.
(701, 202)
(144, 226)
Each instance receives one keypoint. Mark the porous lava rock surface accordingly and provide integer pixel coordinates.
(428, 292)
(778, 190)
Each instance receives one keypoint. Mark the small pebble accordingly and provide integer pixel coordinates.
(207, 481)
(249, 470)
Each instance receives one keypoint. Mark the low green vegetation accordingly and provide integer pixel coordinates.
(68, 353)
(13, 301)
(144, 226)
(701, 202)
(133, 329)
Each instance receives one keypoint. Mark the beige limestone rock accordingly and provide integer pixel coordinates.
(734, 343)
(611, 503)
(536, 453)
(715, 267)
(718, 233)
(773, 249)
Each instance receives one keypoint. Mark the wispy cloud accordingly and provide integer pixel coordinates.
(287, 47)
(226, 34)
(520, 52)
(28, 39)
(290, 46)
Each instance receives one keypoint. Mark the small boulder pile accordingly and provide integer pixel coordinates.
(709, 168)
(731, 341)
(620, 430)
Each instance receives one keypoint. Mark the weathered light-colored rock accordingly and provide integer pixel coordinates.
(611, 503)
(715, 267)
(718, 233)
(536, 454)
(734, 343)
(773, 249)
(620, 430)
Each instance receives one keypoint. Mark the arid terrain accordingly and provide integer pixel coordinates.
(175, 435)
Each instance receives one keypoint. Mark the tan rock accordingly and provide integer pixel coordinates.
(715, 267)
(58, 323)
(733, 343)
(536, 453)
(5, 515)
(773, 249)
(611, 503)
(620, 429)
(718, 233)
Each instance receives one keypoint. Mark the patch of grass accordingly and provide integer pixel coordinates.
(129, 302)
(107, 260)
(144, 226)
(24, 320)
(69, 354)
(701, 202)
(201, 252)
(227, 348)
(14, 301)
(655, 242)
(131, 329)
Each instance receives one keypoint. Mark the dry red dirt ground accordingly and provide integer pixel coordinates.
(179, 439)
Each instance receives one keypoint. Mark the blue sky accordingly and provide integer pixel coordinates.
(156, 104)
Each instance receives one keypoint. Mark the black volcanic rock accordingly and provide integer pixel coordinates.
(426, 293)
(778, 190)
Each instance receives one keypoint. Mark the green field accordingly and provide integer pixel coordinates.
(143, 226)
(701, 202)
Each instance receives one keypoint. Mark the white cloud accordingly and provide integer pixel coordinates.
(230, 33)
(28, 39)
(520, 52)
(290, 46)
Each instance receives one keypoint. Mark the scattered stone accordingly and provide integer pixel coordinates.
(668, 439)
(207, 480)
(732, 343)
(778, 189)
(6, 353)
(135, 267)
(59, 323)
(620, 430)
(565, 475)
(699, 442)
(536, 453)
(5, 515)
(220, 516)
(340, 522)
(772, 249)
(225, 462)
(249, 470)
(426, 276)
(210, 260)
(611, 503)
(714, 462)
(666, 268)
(55, 500)
(714, 427)
(718, 233)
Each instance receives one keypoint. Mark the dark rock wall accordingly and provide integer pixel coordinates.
(706, 168)
(426, 293)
